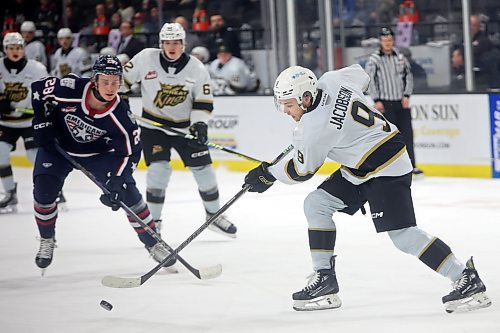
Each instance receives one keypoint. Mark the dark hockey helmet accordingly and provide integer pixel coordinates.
(107, 65)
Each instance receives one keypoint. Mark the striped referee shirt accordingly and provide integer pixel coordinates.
(390, 76)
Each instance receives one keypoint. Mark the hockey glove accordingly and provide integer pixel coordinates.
(5, 107)
(116, 187)
(259, 179)
(200, 131)
(43, 126)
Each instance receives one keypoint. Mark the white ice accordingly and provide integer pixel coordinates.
(382, 289)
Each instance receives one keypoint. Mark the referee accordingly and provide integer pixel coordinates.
(391, 84)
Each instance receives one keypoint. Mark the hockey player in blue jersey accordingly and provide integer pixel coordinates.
(87, 118)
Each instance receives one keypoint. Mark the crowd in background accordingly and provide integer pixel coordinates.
(225, 28)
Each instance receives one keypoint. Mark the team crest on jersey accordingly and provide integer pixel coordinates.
(15, 91)
(68, 109)
(151, 75)
(81, 131)
(170, 95)
(68, 82)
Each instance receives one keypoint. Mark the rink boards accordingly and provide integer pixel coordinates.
(455, 135)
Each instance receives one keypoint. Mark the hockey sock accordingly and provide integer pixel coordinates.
(46, 216)
(7, 178)
(322, 244)
(142, 210)
(156, 199)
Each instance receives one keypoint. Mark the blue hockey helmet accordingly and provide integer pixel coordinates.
(107, 65)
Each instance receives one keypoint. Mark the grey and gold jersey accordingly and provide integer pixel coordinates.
(35, 50)
(342, 127)
(17, 88)
(76, 61)
(175, 96)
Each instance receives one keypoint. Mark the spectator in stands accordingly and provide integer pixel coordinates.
(139, 27)
(485, 56)
(230, 75)
(457, 70)
(33, 48)
(129, 44)
(126, 10)
(110, 7)
(222, 35)
(152, 21)
(47, 16)
(68, 59)
(115, 21)
(192, 39)
(74, 22)
(418, 72)
(100, 25)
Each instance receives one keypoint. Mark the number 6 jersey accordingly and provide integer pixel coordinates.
(341, 126)
(177, 93)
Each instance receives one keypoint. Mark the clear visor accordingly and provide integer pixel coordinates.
(279, 104)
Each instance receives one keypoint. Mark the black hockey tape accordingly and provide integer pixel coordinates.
(322, 239)
(105, 305)
(435, 254)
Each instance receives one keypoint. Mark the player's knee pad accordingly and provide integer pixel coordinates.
(158, 175)
(46, 189)
(410, 240)
(319, 207)
(5, 153)
(205, 178)
(31, 154)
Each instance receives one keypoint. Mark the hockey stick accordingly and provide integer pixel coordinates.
(203, 274)
(25, 110)
(133, 282)
(167, 129)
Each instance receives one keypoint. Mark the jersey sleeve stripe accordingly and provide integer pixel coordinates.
(197, 105)
(291, 171)
(125, 134)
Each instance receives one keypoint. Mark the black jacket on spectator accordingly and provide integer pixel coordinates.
(225, 36)
(133, 47)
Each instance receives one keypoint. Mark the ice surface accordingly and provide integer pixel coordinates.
(382, 289)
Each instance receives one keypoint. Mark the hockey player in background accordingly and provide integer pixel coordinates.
(230, 75)
(176, 92)
(93, 125)
(68, 59)
(334, 120)
(16, 75)
(34, 49)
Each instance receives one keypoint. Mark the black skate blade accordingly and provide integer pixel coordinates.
(475, 302)
(9, 210)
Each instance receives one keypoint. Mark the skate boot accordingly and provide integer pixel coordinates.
(320, 293)
(9, 203)
(61, 202)
(222, 226)
(44, 256)
(159, 253)
(468, 292)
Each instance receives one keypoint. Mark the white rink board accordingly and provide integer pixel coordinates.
(451, 129)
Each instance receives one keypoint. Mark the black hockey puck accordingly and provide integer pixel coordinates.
(106, 305)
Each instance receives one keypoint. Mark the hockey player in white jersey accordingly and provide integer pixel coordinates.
(334, 120)
(68, 59)
(230, 75)
(176, 92)
(16, 75)
(33, 48)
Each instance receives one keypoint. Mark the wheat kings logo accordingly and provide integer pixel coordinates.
(15, 91)
(170, 95)
(81, 131)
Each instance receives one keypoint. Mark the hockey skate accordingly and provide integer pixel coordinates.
(320, 293)
(469, 292)
(9, 203)
(61, 202)
(44, 256)
(159, 253)
(222, 226)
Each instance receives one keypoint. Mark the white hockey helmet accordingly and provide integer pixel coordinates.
(28, 26)
(201, 52)
(13, 38)
(172, 31)
(64, 33)
(295, 82)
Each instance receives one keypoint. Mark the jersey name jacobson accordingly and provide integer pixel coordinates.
(340, 107)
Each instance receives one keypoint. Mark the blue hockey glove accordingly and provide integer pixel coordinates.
(259, 178)
(116, 187)
(200, 131)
